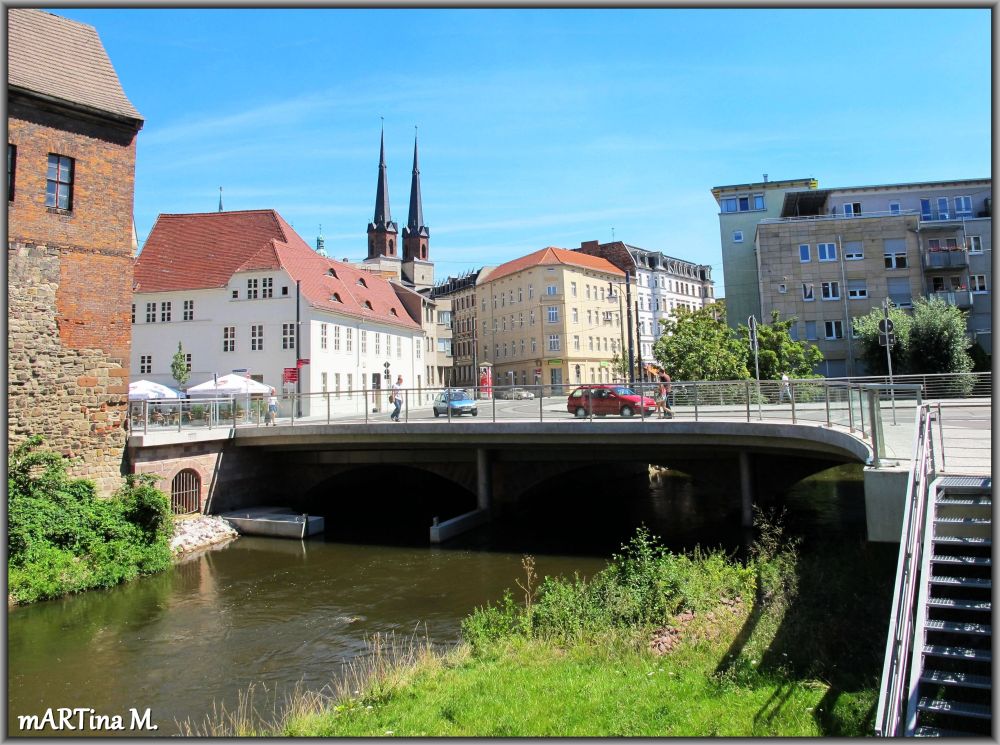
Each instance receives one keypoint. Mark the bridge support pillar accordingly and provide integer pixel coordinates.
(484, 479)
(746, 489)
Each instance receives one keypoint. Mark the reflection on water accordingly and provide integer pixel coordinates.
(276, 612)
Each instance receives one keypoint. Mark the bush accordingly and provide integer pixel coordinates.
(62, 538)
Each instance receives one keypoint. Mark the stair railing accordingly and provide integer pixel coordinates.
(895, 689)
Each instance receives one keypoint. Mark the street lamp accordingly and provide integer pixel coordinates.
(628, 322)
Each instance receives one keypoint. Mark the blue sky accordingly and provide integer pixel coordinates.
(540, 127)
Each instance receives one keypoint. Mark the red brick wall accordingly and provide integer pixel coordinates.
(70, 290)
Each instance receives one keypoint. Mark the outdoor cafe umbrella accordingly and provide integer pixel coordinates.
(229, 385)
(145, 390)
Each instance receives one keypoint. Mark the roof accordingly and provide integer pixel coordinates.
(204, 250)
(63, 59)
(808, 183)
(553, 255)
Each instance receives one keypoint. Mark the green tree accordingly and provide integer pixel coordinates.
(619, 367)
(178, 367)
(866, 333)
(939, 341)
(698, 345)
(779, 352)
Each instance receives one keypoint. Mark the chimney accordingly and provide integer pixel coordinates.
(584, 245)
(765, 178)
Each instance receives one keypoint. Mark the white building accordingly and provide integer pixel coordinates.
(233, 288)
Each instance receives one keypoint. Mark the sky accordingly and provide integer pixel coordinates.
(540, 127)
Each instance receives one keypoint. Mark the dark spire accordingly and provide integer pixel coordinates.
(220, 199)
(383, 217)
(415, 221)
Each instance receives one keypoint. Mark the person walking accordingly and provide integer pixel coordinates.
(397, 398)
(785, 390)
(272, 408)
(663, 397)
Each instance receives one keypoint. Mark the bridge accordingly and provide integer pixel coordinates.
(735, 432)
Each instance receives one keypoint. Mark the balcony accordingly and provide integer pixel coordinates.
(959, 298)
(946, 259)
(942, 218)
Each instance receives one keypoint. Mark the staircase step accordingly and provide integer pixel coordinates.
(985, 521)
(966, 680)
(958, 628)
(965, 499)
(958, 653)
(975, 605)
(959, 708)
(982, 584)
(962, 540)
(982, 561)
(938, 732)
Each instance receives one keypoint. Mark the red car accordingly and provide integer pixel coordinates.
(610, 398)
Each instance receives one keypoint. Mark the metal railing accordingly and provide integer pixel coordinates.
(938, 385)
(894, 691)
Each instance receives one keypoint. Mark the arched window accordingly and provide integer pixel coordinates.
(392, 248)
(185, 492)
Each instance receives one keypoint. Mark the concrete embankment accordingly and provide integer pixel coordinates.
(200, 531)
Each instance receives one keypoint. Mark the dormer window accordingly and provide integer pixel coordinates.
(335, 297)
(331, 272)
(361, 281)
(368, 304)
(393, 311)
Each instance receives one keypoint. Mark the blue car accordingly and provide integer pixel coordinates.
(457, 401)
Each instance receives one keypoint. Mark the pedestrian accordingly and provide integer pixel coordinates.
(397, 398)
(663, 397)
(272, 408)
(786, 389)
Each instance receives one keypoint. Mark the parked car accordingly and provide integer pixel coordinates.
(611, 398)
(516, 394)
(459, 401)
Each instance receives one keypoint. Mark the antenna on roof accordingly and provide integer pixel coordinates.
(220, 199)
(612, 235)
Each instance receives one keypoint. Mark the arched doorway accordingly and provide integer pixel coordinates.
(185, 492)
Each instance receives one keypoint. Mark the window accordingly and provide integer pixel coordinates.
(323, 381)
(399, 347)
(534, 346)
(854, 250)
(11, 166)
(588, 292)
(852, 209)
(257, 338)
(146, 364)
(531, 317)
(236, 294)
(553, 342)
(894, 208)
(737, 236)
(251, 289)
(133, 312)
(165, 311)
(793, 332)
(758, 201)
(59, 182)
(925, 209)
(831, 290)
(364, 341)
(899, 291)
(336, 337)
(807, 292)
(150, 312)
(349, 339)
(576, 343)
(378, 343)
(834, 329)
(857, 289)
(590, 343)
(228, 338)
(288, 336)
(943, 208)
(266, 287)
(189, 310)
(937, 284)
(572, 289)
(322, 336)
(729, 204)
(974, 244)
(894, 253)
(531, 292)
(520, 294)
(827, 251)
(187, 362)
(782, 288)
(416, 348)
(550, 290)
(576, 315)
(963, 205)
(744, 204)
(804, 252)
(978, 283)
(811, 330)
(284, 290)
(553, 314)
(336, 385)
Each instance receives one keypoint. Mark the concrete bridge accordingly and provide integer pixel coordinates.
(493, 463)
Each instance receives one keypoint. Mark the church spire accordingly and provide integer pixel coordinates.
(415, 234)
(220, 199)
(382, 230)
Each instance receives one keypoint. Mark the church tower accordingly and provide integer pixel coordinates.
(382, 233)
(417, 267)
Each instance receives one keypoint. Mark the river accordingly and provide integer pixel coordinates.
(273, 613)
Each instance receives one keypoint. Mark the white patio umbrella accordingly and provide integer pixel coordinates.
(146, 390)
(229, 385)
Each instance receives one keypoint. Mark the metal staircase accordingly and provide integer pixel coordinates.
(950, 680)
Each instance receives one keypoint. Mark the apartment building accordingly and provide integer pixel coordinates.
(741, 208)
(460, 293)
(834, 254)
(553, 317)
(660, 284)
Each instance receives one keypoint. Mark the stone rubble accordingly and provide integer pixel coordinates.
(667, 637)
(191, 533)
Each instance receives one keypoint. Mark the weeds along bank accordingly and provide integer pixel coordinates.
(62, 538)
(787, 643)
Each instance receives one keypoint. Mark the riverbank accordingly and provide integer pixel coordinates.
(200, 531)
(785, 644)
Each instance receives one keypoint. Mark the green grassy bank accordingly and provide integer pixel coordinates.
(61, 538)
(787, 643)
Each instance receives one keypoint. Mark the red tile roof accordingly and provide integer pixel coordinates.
(553, 255)
(203, 251)
(64, 59)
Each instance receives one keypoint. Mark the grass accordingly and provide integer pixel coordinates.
(784, 644)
